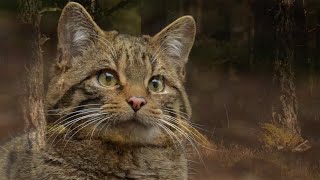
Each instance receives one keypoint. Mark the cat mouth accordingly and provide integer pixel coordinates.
(132, 122)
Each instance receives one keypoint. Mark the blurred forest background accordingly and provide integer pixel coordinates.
(253, 76)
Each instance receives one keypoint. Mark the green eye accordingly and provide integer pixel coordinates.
(156, 84)
(107, 78)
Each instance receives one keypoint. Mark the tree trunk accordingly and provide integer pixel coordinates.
(32, 103)
(284, 109)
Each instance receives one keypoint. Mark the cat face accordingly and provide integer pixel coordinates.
(118, 87)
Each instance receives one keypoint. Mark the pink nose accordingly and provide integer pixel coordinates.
(136, 102)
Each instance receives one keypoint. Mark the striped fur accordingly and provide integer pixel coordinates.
(93, 132)
(134, 59)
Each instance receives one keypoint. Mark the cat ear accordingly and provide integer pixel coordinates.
(76, 30)
(176, 40)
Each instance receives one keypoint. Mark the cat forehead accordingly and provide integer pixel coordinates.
(133, 56)
(129, 43)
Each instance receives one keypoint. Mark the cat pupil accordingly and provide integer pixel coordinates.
(108, 77)
(155, 84)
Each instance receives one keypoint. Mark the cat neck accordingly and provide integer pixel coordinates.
(107, 159)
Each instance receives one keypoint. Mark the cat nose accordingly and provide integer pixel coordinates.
(136, 102)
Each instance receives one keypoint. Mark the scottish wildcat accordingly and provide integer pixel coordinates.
(117, 107)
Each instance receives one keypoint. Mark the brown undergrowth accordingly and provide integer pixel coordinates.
(234, 161)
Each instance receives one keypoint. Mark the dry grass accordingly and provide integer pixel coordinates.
(239, 162)
(276, 137)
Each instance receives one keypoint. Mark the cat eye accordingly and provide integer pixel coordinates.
(107, 78)
(156, 84)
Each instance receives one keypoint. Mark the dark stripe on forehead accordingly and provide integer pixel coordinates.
(156, 67)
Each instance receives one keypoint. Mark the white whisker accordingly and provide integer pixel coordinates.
(70, 123)
(190, 139)
(99, 122)
(80, 127)
(68, 109)
(74, 114)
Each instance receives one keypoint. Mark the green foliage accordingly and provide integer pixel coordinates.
(276, 137)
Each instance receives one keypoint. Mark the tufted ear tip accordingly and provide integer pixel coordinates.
(189, 20)
(177, 39)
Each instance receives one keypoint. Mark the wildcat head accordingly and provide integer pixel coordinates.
(119, 87)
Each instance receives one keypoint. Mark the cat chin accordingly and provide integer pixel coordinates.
(129, 132)
(132, 133)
